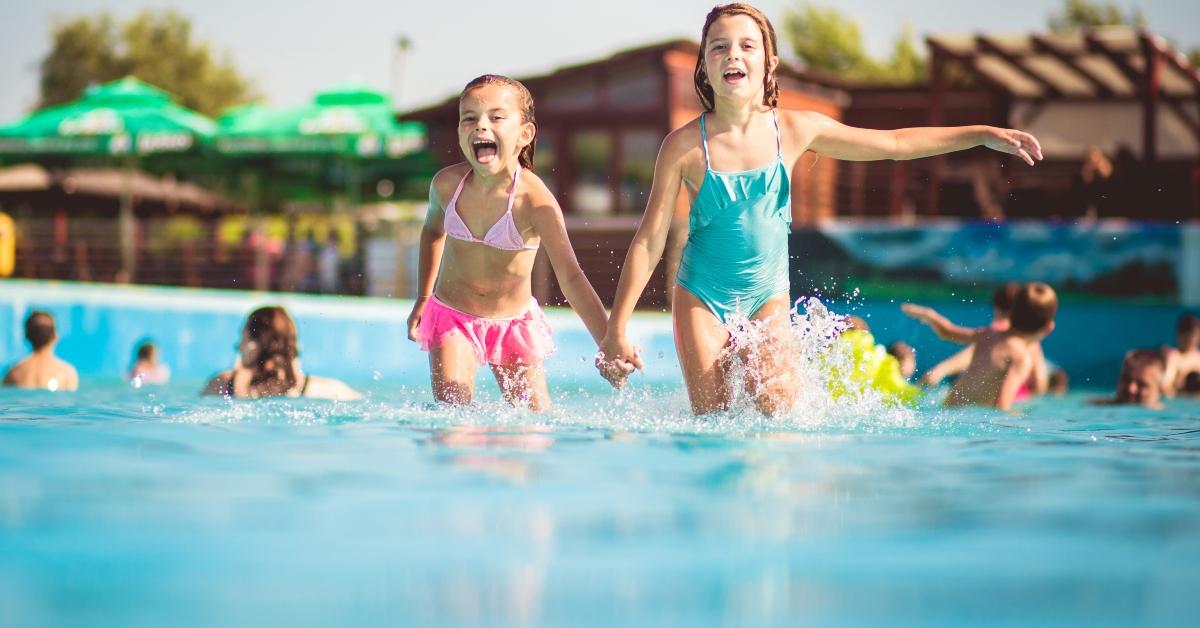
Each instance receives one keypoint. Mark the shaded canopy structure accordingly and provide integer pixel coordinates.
(346, 136)
(124, 117)
(170, 193)
(1118, 85)
(123, 122)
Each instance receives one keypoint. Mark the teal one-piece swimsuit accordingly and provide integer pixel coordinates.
(736, 255)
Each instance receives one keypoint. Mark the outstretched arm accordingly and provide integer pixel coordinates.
(940, 324)
(429, 258)
(645, 251)
(952, 365)
(834, 139)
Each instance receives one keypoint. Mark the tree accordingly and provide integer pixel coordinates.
(827, 40)
(156, 47)
(907, 63)
(1077, 14)
(84, 52)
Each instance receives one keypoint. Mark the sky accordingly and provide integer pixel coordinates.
(291, 49)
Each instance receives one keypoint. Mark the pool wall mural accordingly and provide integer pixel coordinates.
(951, 259)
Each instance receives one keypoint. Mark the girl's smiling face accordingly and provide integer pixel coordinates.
(491, 131)
(735, 58)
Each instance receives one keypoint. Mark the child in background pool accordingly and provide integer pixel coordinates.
(146, 368)
(1141, 380)
(42, 369)
(1003, 360)
(1182, 374)
(475, 303)
(1002, 304)
(735, 162)
(905, 356)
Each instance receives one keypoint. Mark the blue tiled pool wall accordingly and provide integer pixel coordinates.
(362, 339)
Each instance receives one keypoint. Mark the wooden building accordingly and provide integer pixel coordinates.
(1122, 90)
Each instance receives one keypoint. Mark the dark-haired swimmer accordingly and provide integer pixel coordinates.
(42, 369)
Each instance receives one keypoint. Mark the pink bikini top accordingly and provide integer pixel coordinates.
(502, 235)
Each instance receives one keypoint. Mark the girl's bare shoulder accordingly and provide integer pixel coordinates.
(533, 192)
(683, 142)
(447, 179)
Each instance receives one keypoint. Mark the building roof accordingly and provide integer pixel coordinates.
(798, 79)
(1099, 63)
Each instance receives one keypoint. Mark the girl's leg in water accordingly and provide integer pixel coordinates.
(770, 358)
(523, 385)
(700, 341)
(452, 363)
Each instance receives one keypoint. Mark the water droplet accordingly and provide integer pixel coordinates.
(376, 375)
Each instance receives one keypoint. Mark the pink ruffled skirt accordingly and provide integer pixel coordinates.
(524, 339)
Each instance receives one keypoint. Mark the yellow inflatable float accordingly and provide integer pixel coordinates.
(871, 366)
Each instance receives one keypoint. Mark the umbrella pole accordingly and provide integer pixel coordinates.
(126, 226)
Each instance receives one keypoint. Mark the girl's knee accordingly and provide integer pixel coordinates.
(455, 393)
(775, 400)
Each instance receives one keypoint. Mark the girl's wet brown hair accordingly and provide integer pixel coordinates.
(770, 46)
(525, 100)
(274, 333)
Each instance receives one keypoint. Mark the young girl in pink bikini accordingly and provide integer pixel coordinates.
(475, 303)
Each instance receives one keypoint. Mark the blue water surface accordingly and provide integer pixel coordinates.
(150, 506)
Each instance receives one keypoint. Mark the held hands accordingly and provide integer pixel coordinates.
(1013, 142)
(616, 359)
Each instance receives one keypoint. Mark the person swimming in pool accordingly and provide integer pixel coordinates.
(1140, 381)
(1182, 373)
(735, 161)
(1003, 360)
(268, 364)
(147, 369)
(42, 369)
(475, 303)
(1002, 303)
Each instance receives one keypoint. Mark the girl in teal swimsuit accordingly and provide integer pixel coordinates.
(734, 161)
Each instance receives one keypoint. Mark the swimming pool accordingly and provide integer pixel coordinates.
(138, 507)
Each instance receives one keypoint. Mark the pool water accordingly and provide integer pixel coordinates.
(151, 506)
(137, 507)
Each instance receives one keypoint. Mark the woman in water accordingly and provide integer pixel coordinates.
(735, 162)
(268, 364)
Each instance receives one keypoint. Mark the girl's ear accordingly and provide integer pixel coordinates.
(772, 65)
(528, 132)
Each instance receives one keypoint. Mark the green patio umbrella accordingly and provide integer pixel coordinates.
(125, 120)
(328, 144)
(351, 122)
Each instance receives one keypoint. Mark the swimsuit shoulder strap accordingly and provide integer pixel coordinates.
(778, 134)
(704, 141)
(512, 191)
(450, 207)
(304, 387)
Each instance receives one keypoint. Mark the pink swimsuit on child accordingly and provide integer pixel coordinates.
(523, 339)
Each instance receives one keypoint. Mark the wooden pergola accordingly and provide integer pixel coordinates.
(1112, 64)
